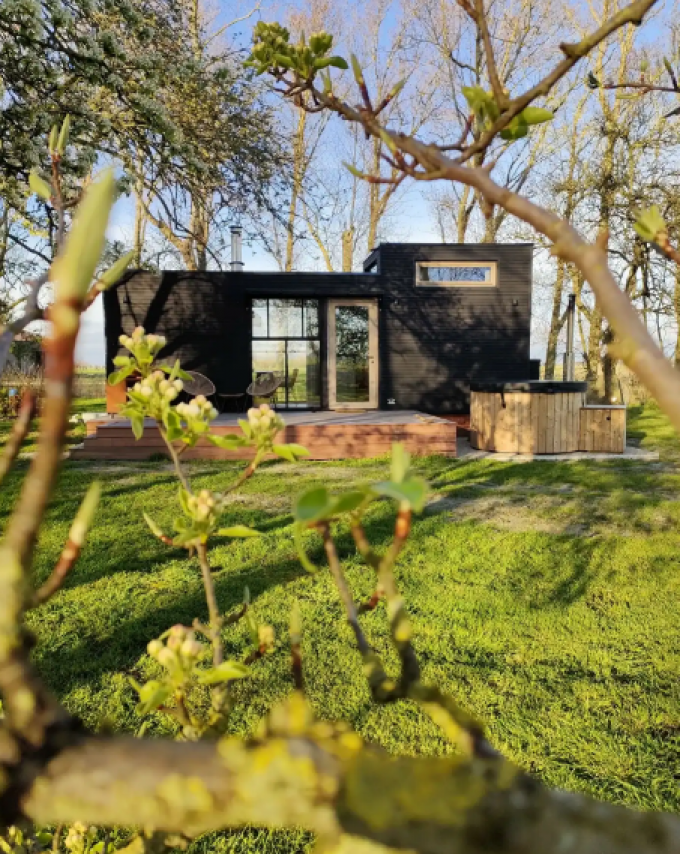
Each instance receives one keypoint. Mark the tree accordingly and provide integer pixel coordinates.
(299, 772)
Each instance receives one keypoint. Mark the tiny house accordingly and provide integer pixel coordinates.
(410, 332)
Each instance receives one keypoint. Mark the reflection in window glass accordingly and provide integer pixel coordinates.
(311, 317)
(268, 356)
(259, 318)
(473, 274)
(304, 376)
(352, 365)
(286, 342)
(285, 318)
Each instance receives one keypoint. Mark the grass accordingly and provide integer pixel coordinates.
(550, 613)
(76, 433)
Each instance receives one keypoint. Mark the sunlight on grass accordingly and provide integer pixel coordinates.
(562, 640)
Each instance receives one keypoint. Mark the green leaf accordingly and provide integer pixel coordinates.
(44, 837)
(283, 61)
(401, 462)
(152, 695)
(116, 270)
(173, 424)
(137, 424)
(412, 491)
(184, 500)
(238, 531)
(517, 129)
(649, 224)
(300, 547)
(246, 428)
(155, 530)
(73, 269)
(536, 115)
(175, 372)
(63, 135)
(229, 442)
(290, 452)
(225, 672)
(119, 376)
(354, 171)
(356, 68)
(312, 505)
(39, 186)
(121, 361)
(54, 135)
(348, 502)
(332, 61)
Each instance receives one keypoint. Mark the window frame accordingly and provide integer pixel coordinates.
(492, 283)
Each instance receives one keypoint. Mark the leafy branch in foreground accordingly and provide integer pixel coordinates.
(297, 771)
(154, 395)
(426, 161)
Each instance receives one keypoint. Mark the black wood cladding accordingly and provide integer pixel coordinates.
(433, 340)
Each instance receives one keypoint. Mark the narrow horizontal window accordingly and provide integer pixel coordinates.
(455, 274)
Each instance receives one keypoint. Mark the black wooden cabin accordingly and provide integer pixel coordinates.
(410, 332)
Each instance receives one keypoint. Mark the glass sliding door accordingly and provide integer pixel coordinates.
(286, 342)
(353, 354)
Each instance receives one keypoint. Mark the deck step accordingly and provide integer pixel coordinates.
(114, 440)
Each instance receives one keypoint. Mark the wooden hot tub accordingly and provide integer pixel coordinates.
(533, 417)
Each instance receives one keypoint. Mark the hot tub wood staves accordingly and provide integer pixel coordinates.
(535, 417)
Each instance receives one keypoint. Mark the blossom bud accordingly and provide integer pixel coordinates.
(253, 414)
(154, 647)
(191, 649)
(265, 409)
(167, 657)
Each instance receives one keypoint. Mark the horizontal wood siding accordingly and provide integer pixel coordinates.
(438, 339)
(433, 341)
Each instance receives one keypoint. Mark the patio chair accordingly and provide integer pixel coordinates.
(199, 384)
(265, 386)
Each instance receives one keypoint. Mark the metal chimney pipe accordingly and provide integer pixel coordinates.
(569, 365)
(236, 249)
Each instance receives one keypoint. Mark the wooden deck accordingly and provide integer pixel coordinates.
(326, 435)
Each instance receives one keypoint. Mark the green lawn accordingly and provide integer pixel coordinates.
(544, 596)
(76, 433)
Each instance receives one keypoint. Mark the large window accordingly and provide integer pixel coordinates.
(286, 342)
(456, 274)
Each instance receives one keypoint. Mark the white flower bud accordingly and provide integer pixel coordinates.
(212, 414)
(200, 399)
(193, 410)
(191, 649)
(265, 421)
(147, 391)
(179, 385)
(170, 393)
(138, 333)
(253, 414)
(265, 408)
(154, 647)
(167, 657)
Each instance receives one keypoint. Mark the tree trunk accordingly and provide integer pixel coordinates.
(556, 323)
(298, 175)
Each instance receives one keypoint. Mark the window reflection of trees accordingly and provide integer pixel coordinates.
(286, 341)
